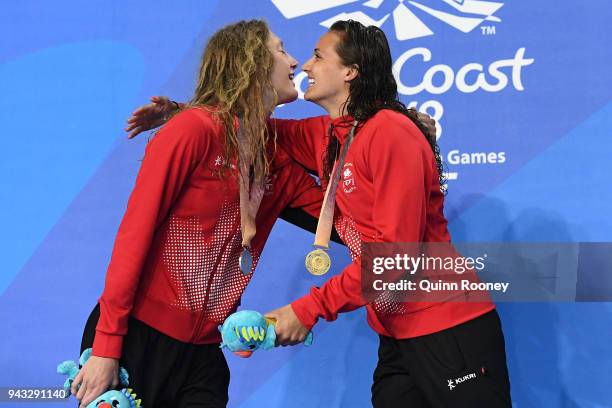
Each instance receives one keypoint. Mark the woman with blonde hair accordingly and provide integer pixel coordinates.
(204, 202)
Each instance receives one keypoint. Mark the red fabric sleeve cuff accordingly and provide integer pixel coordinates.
(107, 345)
(305, 308)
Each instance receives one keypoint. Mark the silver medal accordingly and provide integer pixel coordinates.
(245, 261)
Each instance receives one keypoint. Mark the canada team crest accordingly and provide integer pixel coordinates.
(348, 178)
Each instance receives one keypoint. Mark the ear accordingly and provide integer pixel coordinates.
(351, 73)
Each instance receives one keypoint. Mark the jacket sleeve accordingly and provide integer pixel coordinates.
(301, 139)
(170, 157)
(401, 169)
(306, 193)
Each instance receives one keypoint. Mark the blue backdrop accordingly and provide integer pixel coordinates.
(522, 92)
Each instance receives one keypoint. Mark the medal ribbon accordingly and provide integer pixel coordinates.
(251, 195)
(326, 217)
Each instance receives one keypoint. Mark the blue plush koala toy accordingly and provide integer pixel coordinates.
(246, 331)
(110, 399)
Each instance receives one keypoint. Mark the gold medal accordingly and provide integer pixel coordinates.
(318, 261)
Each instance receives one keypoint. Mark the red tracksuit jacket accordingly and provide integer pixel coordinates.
(175, 260)
(389, 192)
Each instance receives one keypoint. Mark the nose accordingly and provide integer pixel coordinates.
(243, 354)
(307, 65)
(292, 62)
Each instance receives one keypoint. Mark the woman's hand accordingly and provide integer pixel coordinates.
(289, 330)
(427, 123)
(150, 116)
(98, 375)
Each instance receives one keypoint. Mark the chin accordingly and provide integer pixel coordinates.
(310, 97)
(288, 98)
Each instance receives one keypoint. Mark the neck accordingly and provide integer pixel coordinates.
(336, 108)
(335, 111)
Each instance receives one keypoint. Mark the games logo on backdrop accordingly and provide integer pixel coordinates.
(411, 20)
(408, 26)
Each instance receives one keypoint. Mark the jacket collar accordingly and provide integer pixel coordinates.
(341, 127)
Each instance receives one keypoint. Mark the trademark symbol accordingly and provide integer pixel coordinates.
(487, 30)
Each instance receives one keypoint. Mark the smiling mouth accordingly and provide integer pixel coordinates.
(311, 82)
(291, 76)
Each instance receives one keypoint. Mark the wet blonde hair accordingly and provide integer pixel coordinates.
(234, 80)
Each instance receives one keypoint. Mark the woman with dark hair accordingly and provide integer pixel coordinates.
(391, 189)
(175, 274)
(431, 354)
